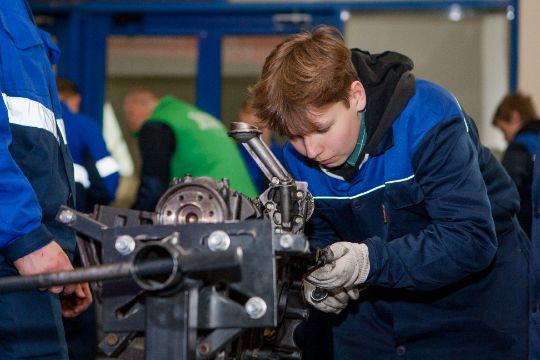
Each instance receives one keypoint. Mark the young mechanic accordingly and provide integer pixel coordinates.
(411, 206)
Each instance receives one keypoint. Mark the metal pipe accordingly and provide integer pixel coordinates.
(249, 137)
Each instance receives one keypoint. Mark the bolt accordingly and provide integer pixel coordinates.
(269, 206)
(67, 217)
(203, 348)
(124, 244)
(299, 194)
(255, 307)
(298, 220)
(219, 241)
(286, 241)
(275, 181)
(112, 339)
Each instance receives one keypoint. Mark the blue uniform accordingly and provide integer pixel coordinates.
(518, 160)
(446, 281)
(36, 178)
(534, 315)
(96, 172)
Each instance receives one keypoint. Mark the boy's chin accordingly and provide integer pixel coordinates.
(333, 165)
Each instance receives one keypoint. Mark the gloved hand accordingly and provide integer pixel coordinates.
(347, 265)
(336, 300)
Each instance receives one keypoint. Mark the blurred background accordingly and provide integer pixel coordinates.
(209, 52)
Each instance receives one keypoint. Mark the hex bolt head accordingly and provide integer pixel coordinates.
(275, 181)
(269, 206)
(203, 348)
(299, 194)
(124, 244)
(112, 339)
(286, 241)
(67, 217)
(255, 307)
(219, 241)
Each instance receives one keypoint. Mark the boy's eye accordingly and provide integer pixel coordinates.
(324, 129)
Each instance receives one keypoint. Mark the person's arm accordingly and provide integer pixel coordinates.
(24, 240)
(460, 239)
(102, 168)
(156, 144)
(518, 163)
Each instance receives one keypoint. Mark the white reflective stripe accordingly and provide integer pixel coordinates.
(81, 175)
(106, 166)
(462, 112)
(27, 112)
(365, 192)
(62, 127)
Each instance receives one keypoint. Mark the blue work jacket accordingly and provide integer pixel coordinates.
(35, 164)
(448, 260)
(518, 160)
(96, 172)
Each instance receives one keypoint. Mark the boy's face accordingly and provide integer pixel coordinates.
(339, 127)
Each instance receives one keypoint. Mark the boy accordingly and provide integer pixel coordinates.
(407, 200)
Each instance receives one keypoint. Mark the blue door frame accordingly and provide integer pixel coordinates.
(82, 30)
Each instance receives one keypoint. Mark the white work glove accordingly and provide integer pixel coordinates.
(336, 300)
(347, 265)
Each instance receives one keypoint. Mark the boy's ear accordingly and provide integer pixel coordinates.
(358, 96)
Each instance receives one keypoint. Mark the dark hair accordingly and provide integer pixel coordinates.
(515, 102)
(303, 74)
(66, 87)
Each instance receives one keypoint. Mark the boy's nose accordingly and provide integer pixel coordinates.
(313, 147)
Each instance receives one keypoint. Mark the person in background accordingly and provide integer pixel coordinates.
(96, 172)
(425, 256)
(246, 115)
(516, 117)
(36, 178)
(96, 180)
(176, 139)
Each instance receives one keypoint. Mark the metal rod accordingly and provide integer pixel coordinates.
(249, 137)
(93, 273)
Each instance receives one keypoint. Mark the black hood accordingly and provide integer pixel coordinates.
(389, 85)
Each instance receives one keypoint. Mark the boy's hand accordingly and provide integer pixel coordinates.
(336, 300)
(347, 265)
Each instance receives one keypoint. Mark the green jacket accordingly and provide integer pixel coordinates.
(203, 147)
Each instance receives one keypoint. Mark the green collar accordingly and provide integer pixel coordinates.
(360, 143)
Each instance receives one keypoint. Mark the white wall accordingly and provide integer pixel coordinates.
(529, 49)
(468, 57)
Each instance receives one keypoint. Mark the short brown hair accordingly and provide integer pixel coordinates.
(306, 72)
(515, 102)
(66, 87)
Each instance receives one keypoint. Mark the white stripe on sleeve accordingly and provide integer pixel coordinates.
(81, 175)
(27, 112)
(106, 166)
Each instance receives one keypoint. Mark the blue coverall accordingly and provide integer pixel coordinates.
(96, 172)
(448, 259)
(36, 178)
